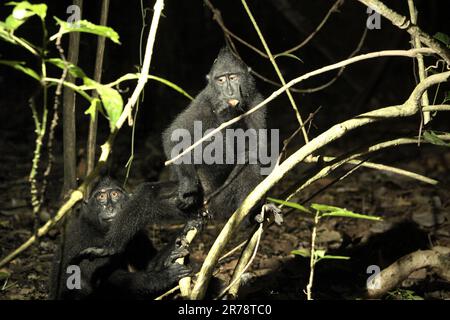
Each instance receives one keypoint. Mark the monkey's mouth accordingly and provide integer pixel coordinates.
(108, 220)
(233, 103)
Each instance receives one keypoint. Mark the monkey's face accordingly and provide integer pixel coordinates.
(109, 202)
(228, 88)
(228, 83)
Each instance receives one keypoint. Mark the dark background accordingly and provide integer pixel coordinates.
(188, 40)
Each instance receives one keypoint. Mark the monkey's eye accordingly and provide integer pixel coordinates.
(221, 79)
(102, 196)
(115, 194)
(233, 77)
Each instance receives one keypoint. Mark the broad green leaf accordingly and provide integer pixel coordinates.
(111, 100)
(306, 253)
(73, 69)
(431, 137)
(330, 211)
(290, 204)
(95, 102)
(289, 55)
(88, 27)
(442, 37)
(19, 65)
(22, 11)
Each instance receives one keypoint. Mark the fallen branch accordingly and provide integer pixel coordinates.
(438, 259)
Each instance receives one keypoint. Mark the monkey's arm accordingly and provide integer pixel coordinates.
(178, 137)
(160, 274)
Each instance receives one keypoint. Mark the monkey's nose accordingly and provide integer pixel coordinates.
(233, 102)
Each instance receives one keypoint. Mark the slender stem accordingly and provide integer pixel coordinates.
(312, 260)
(277, 70)
(92, 135)
(420, 63)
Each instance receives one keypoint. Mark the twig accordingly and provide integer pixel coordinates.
(277, 70)
(403, 23)
(246, 259)
(420, 63)
(69, 121)
(92, 135)
(334, 8)
(379, 166)
(312, 259)
(185, 283)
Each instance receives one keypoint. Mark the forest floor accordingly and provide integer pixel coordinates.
(415, 216)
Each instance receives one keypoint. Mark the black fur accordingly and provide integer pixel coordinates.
(110, 277)
(221, 187)
(228, 80)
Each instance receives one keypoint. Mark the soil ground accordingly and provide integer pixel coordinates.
(416, 216)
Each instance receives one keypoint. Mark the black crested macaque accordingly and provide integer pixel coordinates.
(230, 92)
(137, 272)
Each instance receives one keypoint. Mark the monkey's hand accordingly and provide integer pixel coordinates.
(167, 256)
(189, 193)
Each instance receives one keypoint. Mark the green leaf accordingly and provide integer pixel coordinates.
(38, 9)
(336, 257)
(87, 27)
(111, 100)
(290, 204)
(330, 211)
(18, 65)
(95, 103)
(74, 70)
(22, 11)
(431, 137)
(442, 37)
(319, 253)
(289, 55)
(306, 253)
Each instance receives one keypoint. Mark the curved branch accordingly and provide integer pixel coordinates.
(404, 23)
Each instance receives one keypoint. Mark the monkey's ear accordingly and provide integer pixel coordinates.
(249, 70)
(207, 77)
